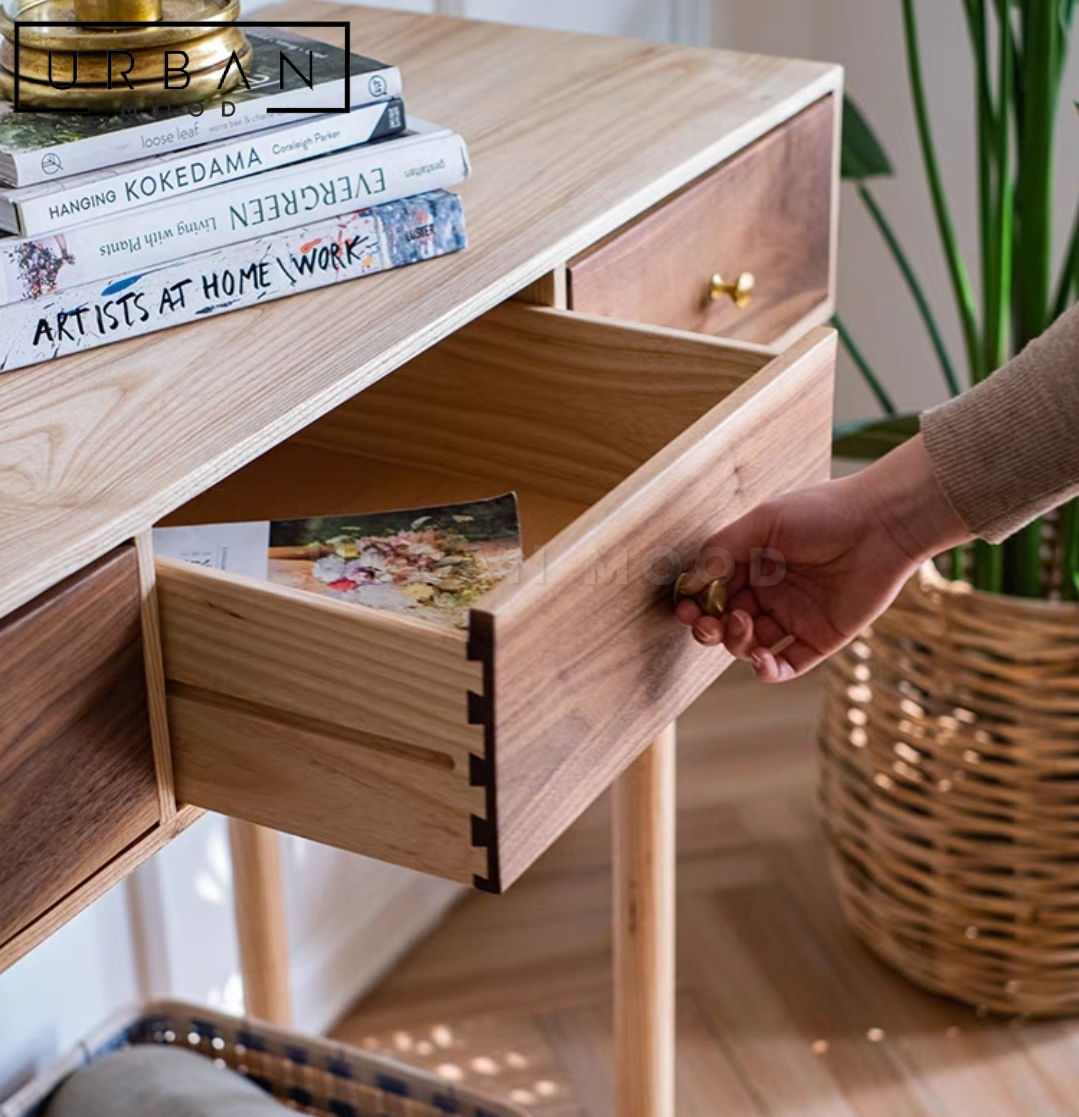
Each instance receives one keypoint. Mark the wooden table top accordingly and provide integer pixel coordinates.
(571, 136)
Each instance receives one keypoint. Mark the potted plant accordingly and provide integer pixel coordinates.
(950, 738)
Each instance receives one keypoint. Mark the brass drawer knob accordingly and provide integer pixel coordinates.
(712, 599)
(740, 291)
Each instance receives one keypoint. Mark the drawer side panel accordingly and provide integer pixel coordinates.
(588, 663)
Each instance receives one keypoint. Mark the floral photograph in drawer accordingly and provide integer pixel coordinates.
(430, 562)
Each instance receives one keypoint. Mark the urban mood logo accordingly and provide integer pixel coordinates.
(297, 67)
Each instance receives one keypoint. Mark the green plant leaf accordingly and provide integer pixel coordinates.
(862, 154)
(868, 440)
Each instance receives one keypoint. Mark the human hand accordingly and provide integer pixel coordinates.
(845, 548)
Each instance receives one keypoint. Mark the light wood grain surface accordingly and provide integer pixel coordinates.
(156, 700)
(343, 725)
(97, 447)
(545, 401)
(644, 871)
(781, 1013)
(258, 899)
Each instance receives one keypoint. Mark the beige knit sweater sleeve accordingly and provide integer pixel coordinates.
(1008, 450)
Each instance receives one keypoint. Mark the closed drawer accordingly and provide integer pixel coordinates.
(768, 211)
(77, 780)
(465, 754)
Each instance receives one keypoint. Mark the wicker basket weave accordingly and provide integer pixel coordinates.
(309, 1075)
(950, 754)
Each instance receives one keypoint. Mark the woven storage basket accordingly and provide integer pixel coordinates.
(309, 1075)
(950, 755)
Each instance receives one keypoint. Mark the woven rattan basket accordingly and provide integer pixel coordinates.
(950, 754)
(309, 1075)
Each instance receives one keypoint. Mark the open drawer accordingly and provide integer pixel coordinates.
(465, 754)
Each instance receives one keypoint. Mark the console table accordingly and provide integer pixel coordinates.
(593, 350)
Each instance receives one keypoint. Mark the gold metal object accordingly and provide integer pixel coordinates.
(144, 66)
(739, 291)
(113, 11)
(209, 50)
(712, 599)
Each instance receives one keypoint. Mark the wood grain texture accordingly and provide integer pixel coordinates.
(344, 725)
(95, 448)
(76, 761)
(644, 871)
(589, 618)
(296, 480)
(258, 898)
(156, 701)
(551, 290)
(768, 211)
(543, 400)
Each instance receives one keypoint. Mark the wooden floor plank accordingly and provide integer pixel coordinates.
(781, 1013)
(970, 1064)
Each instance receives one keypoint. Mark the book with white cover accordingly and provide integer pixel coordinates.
(317, 254)
(50, 207)
(40, 147)
(425, 158)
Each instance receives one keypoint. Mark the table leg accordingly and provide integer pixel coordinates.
(644, 946)
(259, 899)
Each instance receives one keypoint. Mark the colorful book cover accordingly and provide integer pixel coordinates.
(315, 255)
(433, 564)
(424, 158)
(49, 207)
(37, 147)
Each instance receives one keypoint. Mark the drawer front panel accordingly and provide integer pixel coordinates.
(77, 781)
(344, 725)
(768, 211)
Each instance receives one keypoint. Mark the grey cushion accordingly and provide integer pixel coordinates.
(154, 1081)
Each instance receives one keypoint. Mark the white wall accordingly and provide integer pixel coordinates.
(64, 989)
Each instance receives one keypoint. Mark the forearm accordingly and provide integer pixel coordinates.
(910, 504)
(1008, 450)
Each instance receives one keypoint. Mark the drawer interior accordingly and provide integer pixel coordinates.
(461, 753)
(535, 401)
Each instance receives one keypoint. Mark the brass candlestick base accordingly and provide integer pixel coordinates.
(209, 50)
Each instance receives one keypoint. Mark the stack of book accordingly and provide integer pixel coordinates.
(119, 226)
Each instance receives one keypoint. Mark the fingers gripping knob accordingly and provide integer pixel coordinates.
(712, 600)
